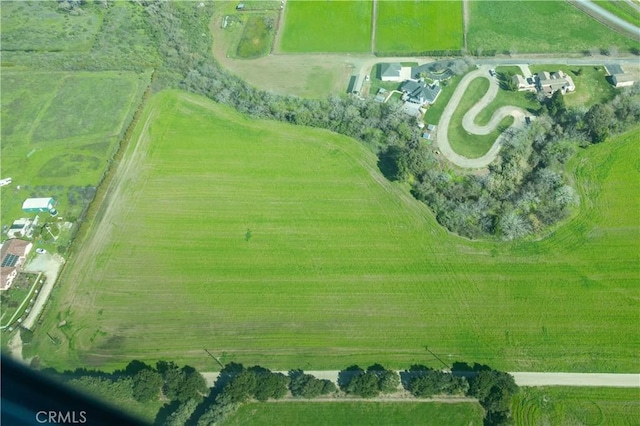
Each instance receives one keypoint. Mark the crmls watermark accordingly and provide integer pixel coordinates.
(61, 417)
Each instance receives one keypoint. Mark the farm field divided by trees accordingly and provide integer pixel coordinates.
(338, 265)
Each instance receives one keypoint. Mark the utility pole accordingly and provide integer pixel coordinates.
(215, 359)
(437, 357)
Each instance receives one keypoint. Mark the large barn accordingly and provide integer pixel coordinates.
(37, 205)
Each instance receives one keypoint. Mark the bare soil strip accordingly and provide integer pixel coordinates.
(373, 26)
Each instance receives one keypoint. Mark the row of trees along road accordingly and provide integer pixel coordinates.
(189, 401)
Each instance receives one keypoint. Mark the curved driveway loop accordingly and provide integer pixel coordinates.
(468, 121)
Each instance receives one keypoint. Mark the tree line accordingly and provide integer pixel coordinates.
(188, 400)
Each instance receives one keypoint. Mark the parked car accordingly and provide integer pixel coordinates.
(40, 251)
(492, 72)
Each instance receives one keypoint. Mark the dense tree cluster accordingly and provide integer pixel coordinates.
(495, 390)
(308, 386)
(426, 382)
(370, 383)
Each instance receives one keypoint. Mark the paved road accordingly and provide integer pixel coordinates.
(521, 378)
(468, 121)
(607, 17)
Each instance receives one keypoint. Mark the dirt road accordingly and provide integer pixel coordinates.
(468, 121)
(521, 378)
(373, 26)
(50, 265)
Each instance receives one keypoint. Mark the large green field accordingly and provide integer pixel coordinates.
(354, 413)
(576, 406)
(418, 26)
(537, 26)
(59, 129)
(284, 246)
(327, 26)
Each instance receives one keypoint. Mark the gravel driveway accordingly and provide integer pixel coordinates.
(50, 265)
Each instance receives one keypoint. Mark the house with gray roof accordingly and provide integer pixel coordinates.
(391, 71)
(549, 83)
(419, 92)
(619, 78)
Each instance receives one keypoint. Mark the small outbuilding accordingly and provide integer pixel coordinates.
(391, 71)
(38, 205)
(622, 80)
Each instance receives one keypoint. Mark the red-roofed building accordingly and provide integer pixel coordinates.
(12, 255)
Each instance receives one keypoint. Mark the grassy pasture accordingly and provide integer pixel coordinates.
(461, 141)
(59, 129)
(621, 9)
(524, 27)
(41, 26)
(418, 26)
(257, 37)
(571, 405)
(284, 246)
(327, 26)
(360, 413)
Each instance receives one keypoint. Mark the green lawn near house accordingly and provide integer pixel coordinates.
(463, 142)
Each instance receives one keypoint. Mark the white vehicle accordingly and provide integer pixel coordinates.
(366, 78)
(5, 181)
(40, 251)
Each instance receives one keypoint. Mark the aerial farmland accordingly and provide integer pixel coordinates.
(401, 218)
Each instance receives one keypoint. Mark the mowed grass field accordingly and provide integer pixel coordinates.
(284, 246)
(537, 27)
(357, 413)
(418, 26)
(327, 26)
(60, 128)
(576, 406)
